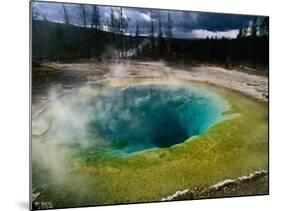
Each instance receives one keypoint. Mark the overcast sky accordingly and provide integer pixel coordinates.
(186, 24)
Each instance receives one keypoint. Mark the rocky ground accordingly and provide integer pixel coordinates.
(254, 184)
(65, 77)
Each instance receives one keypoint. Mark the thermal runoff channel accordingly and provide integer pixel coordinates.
(131, 119)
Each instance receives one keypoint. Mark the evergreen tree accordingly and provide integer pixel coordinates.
(240, 34)
(137, 40)
(169, 32)
(86, 42)
(152, 41)
(159, 27)
(254, 27)
(95, 23)
(36, 28)
(83, 16)
(65, 15)
(245, 31)
(112, 29)
(122, 28)
(131, 44)
(96, 40)
(264, 27)
(160, 44)
(112, 24)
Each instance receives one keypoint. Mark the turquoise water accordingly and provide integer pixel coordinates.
(131, 119)
(142, 117)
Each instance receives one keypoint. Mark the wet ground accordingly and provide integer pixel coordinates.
(65, 77)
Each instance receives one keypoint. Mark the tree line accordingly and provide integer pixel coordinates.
(114, 40)
(250, 48)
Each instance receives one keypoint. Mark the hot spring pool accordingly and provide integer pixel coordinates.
(130, 119)
(137, 140)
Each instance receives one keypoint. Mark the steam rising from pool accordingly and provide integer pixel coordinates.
(129, 119)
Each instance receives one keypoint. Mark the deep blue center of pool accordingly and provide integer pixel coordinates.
(142, 117)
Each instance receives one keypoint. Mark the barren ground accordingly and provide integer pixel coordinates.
(65, 77)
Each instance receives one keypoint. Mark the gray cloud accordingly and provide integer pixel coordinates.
(186, 23)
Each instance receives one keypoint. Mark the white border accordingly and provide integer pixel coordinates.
(14, 86)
